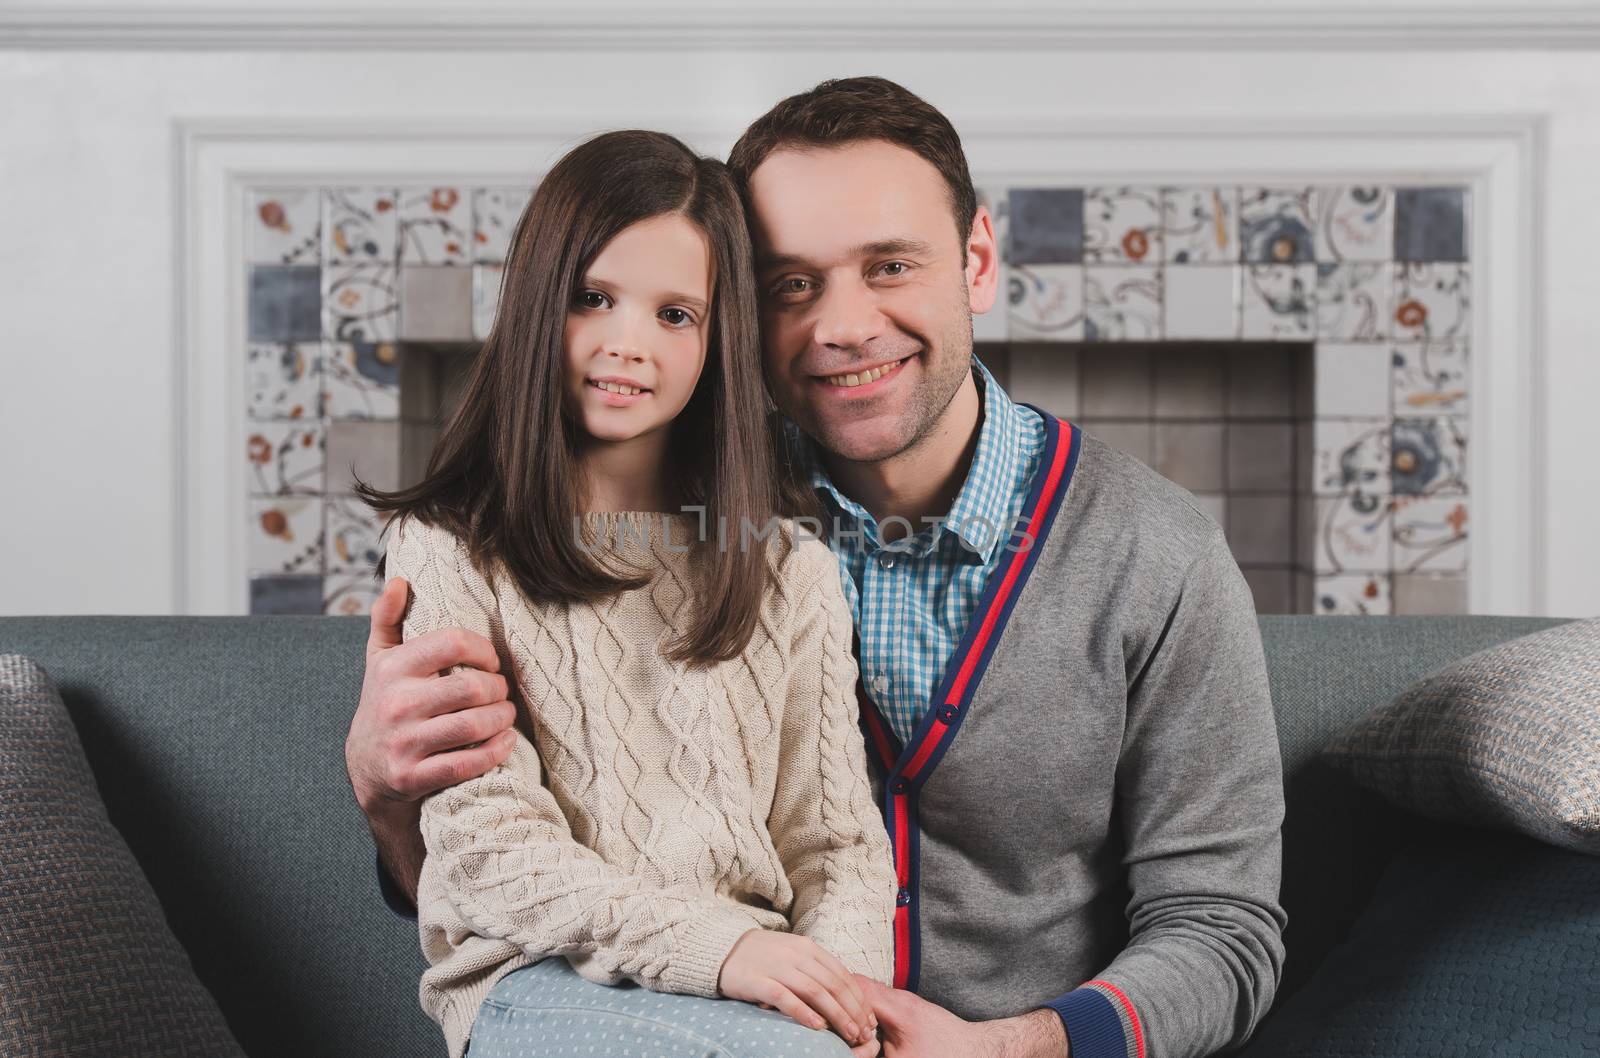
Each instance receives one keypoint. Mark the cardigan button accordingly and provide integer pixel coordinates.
(947, 713)
(900, 786)
(902, 898)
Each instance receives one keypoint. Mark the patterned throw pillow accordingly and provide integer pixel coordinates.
(87, 963)
(1509, 737)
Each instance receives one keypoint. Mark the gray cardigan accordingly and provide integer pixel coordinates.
(1090, 818)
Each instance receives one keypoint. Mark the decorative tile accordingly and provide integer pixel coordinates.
(1430, 378)
(1200, 225)
(1122, 225)
(360, 226)
(283, 380)
(1275, 224)
(1432, 301)
(361, 303)
(1260, 457)
(486, 298)
(1046, 225)
(1352, 593)
(1354, 301)
(1047, 377)
(1117, 384)
(360, 381)
(369, 451)
(351, 535)
(1349, 380)
(285, 535)
(1190, 384)
(1430, 456)
(1422, 593)
(1122, 303)
(1260, 529)
(291, 594)
(1203, 301)
(285, 303)
(994, 325)
(1191, 455)
(1357, 224)
(1279, 302)
(495, 212)
(349, 594)
(284, 458)
(283, 226)
(435, 226)
(1046, 302)
(1430, 224)
(1351, 534)
(1430, 533)
(435, 304)
(1345, 455)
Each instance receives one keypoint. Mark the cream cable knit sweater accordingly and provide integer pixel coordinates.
(666, 810)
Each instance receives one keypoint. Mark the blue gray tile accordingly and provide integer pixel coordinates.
(285, 595)
(1430, 224)
(285, 303)
(1046, 225)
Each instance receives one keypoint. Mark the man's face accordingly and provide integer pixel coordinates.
(867, 293)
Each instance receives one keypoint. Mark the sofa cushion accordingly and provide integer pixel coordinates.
(87, 964)
(1508, 736)
(1475, 942)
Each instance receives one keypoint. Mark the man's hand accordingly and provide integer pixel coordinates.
(416, 731)
(915, 1028)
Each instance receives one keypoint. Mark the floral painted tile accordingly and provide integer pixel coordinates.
(1122, 225)
(351, 536)
(1352, 593)
(285, 535)
(1279, 302)
(435, 226)
(283, 380)
(284, 458)
(349, 594)
(283, 226)
(486, 297)
(361, 303)
(1351, 533)
(1200, 225)
(1429, 378)
(1046, 226)
(1346, 456)
(994, 325)
(1432, 301)
(1430, 534)
(1356, 224)
(1353, 301)
(495, 212)
(1430, 456)
(1122, 303)
(1046, 302)
(361, 381)
(1275, 224)
(289, 593)
(360, 225)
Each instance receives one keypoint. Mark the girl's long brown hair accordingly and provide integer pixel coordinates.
(504, 476)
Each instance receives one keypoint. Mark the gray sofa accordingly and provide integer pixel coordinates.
(218, 745)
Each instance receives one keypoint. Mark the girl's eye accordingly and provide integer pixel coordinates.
(592, 299)
(676, 317)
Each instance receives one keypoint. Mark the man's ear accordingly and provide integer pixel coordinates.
(983, 263)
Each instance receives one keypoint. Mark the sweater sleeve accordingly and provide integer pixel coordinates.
(1200, 793)
(824, 823)
(506, 856)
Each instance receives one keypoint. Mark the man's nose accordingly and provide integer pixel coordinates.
(847, 316)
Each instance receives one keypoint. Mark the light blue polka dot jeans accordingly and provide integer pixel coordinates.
(547, 1011)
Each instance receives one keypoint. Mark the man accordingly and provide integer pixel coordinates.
(1062, 679)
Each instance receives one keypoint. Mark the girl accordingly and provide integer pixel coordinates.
(686, 807)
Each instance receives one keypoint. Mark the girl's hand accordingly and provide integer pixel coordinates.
(796, 976)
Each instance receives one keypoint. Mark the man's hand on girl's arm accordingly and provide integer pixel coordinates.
(416, 731)
(916, 1028)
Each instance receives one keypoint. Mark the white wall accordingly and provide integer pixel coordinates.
(89, 395)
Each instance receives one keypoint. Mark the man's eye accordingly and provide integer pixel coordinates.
(592, 299)
(791, 285)
(676, 317)
(899, 266)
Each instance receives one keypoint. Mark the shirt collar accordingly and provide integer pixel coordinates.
(978, 517)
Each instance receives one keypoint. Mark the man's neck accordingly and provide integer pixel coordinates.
(924, 480)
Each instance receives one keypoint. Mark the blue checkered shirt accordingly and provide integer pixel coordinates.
(912, 598)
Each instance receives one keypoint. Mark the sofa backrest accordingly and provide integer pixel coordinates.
(218, 744)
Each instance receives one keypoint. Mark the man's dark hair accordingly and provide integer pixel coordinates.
(854, 109)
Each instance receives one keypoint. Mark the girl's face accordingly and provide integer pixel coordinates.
(637, 329)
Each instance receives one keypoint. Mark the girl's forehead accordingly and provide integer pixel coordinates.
(667, 251)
